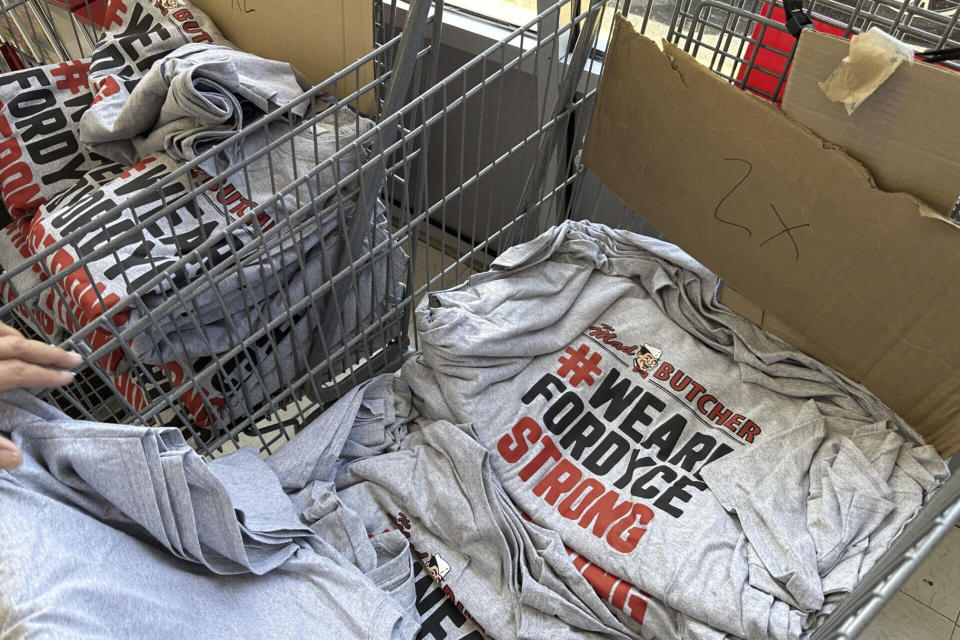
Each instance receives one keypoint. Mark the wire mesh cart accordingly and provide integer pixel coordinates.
(407, 191)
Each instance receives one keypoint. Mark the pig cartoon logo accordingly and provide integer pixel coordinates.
(438, 567)
(647, 360)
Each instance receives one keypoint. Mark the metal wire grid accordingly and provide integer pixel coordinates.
(730, 36)
(43, 33)
(92, 396)
(535, 48)
(372, 348)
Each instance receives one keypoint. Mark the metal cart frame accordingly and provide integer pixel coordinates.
(428, 177)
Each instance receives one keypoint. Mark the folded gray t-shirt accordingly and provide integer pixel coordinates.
(193, 98)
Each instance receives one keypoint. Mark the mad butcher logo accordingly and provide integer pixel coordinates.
(646, 357)
(437, 568)
(647, 361)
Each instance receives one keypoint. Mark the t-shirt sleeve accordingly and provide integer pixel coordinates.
(759, 485)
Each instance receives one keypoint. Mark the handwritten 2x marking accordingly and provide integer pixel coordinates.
(785, 229)
(716, 211)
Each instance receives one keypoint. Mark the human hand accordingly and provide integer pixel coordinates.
(30, 363)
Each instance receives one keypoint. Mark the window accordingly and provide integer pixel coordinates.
(515, 12)
(697, 26)
(658, 19)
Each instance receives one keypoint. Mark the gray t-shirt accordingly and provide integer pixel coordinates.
(113, 531)
(665, 439)
(193, 98)
(512, 578)
(486, 557)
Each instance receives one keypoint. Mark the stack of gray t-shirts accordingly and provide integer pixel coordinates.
(621, 457)
(742, 485)
(50, 160)
(190, 98)
(318, 539)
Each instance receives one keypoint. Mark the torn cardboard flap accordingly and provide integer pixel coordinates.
(855, 276)
(318, 37)
(904, 134)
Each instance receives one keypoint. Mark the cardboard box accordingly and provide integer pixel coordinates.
(862, 279)
(904, 133)
(318, 37)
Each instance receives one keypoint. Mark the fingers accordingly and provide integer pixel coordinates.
(10, 456)
(17, 373)
(16, 347)
(6, 330)
(25, 363)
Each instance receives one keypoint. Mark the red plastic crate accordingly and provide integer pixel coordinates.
(772, 53)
